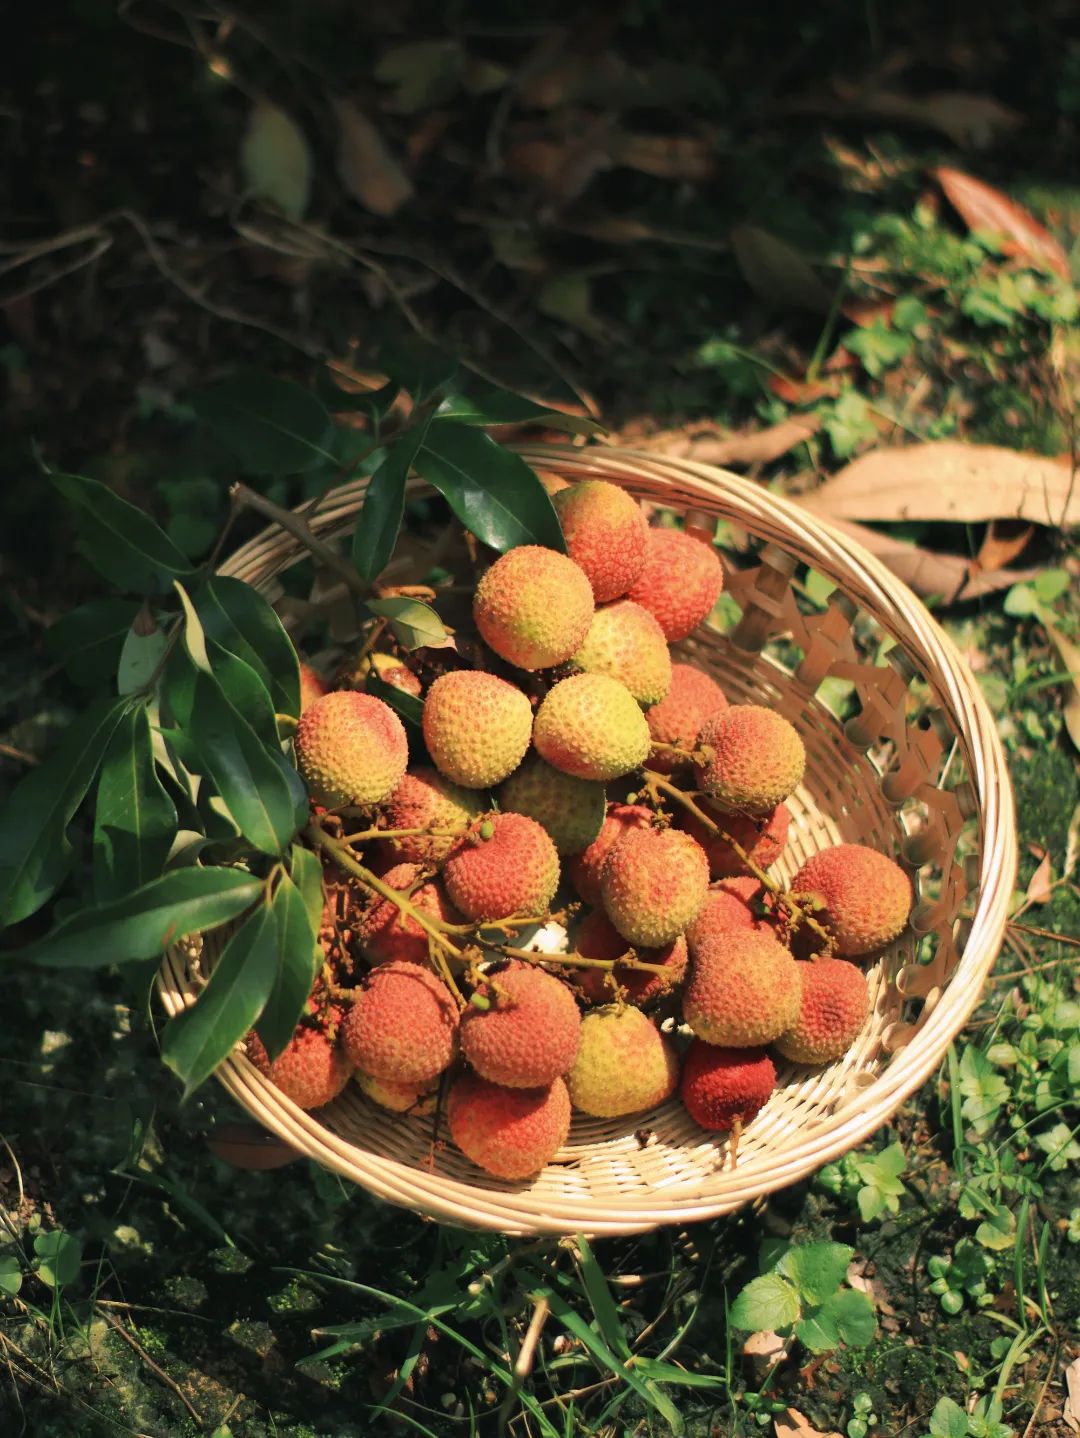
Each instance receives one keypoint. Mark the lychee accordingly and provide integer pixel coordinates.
(571, 810)
(680, 582)
(586, 868)
(591, 726)
(864, 897)
(833, 1005)
(530, 1033)
(606, 534)
(426, 799)
(311, 687)
(597, 938)
(653, 885)
(727, 906)
(515, 870)
(476, 727)
(693, 697)
(511, 1133)
(415, 1099)
(624, 1064)
(625, 642)
(533, 607)
(723, 1086)
(742, 990)
(387, 934)
(757, 758)
(402, 1026)
(387, 667)
(763, 837)
(311, 1069)
(350, 749)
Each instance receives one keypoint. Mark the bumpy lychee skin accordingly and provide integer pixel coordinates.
(680, 583)
(387, 934)
(511, 1133)
(625, 642)
(415, 1099)
(653, 885)
(311, 687)
(571, 810)
(597, 938)
(515, 871)
(350, 749)
(426, 799)
(606, 534)
(692, 698)
(832, 1010)
(722, 1086)
(586, 868)
(529, 1035)
(476, 727)
(311, 1070)
(403, 1025)
(624, 1064)
(591, 726)
(742, 991)
(757, 759)
(865, 896)
(533, 607)
(763, 837)
(726, 906)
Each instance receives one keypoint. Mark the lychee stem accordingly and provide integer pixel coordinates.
(579, 961)
(362, 834)
(657, 784)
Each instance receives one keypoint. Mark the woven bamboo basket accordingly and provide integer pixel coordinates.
(918, 773)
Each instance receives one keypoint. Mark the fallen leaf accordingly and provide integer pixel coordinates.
(759, 446)
(569, 298)
(764, 1349)
(276, 160)
(927, 571)
(969, 120)
(367, 169)
(858, 1276)
(1069, 654)
(1005, 540)
(984, 208)
(950, 480)
(668, 157)
(245, 1146)
(1071, 1411)
(1072, 844)
(423, 73)
(777, 272)
(794, 1425)
(1039, 890)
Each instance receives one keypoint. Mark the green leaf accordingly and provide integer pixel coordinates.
(143, 924)
(60, 1257)
(298, 961)
(135, 820)
(493, 492)
(245, 691)
(948, 1420)
(878, 346)
(139, 659)
(778, 272)
(818, 1332)
(120, 541)
(194, 634)
(501, 406)
(766, 1302)
(379, 521)
(89, 640)
(35, 853)
(408, 706)
(416, 366)
(414, 624)
(241, 621)
(10, 1276)
(271, 425)
(816, 1269)
(997, 1232)
(601, 1301)
(852, 1314)
(263, 792)
(195, 1041)
(872, 1202)
(306, 873)
(276, 160)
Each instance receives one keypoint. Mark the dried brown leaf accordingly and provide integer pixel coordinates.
(777, 272)
(245, 1146)
(794, 1425)
(759, 446)
(1069, 654)
(983, 208)
(970, 121)
(1071, 1411)
(950, 480)
(928, 572)
(668, 157)
(366, 166)
(1006, 540)
(1039, 890)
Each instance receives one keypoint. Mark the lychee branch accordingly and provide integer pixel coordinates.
(363, 835)
(244, 498)
(580, 961)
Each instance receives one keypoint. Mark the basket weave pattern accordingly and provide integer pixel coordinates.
(932, 792)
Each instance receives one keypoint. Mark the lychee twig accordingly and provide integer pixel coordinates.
(244, 498)
(364, 834)
(575, 960)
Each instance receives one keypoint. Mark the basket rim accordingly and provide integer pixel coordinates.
(697, 489)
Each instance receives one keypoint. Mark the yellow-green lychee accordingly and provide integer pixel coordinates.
(693, 697)
(402, 1026)
(426, 799)
(653, 885)
(511, 1133)
(530, 1032)
(863, 897)
(350, 749)
(606, 535)
(757, 758)
(742, 990)
(833, 1004)
(571, 810)
(585, 869)
(505, 864)
(680, 582)
(476, 727)
(415, 1099)
(591, 726)
(533, 607)
(624, 1064)
(625, 642)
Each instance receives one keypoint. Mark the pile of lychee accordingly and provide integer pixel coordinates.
(572, 783)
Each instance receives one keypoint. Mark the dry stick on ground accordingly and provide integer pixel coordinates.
(115, 1324)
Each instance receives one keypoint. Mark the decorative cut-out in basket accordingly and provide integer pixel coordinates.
(917, 773)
